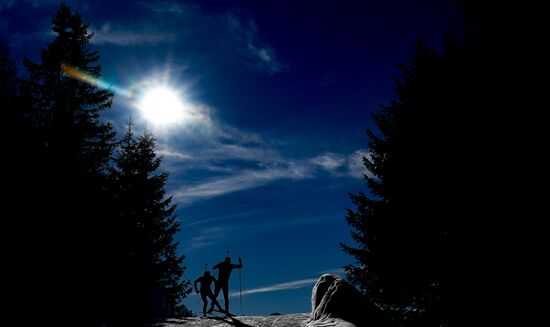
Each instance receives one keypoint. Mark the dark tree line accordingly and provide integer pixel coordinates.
(89, 231)
(439, 179)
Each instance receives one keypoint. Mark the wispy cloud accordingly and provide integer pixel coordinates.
(242, 152)
(279, 287)
(171, 154)
(355, 166)
(215, 144)
(242, 225)
(124, 36)
(236, 31)
(224, 160)
(184, 24)
(164, 7)
(206, 237)
(218, 148)
(242, 181)
(34, 3)
(245, 35)
(329, 161)
(340, 164)
(266, 59)
(225, 217)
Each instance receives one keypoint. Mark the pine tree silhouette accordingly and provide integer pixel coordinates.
(16, 136)
(101, 230)
(67, 223)
(434, 188)
(147, 226)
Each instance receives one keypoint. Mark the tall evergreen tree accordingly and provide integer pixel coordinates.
(67, 108)
(7, 74)
(392, 223)
(152, 269)
(430, 183)
(67, 224)
(14, 148)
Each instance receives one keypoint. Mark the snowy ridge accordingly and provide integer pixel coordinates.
(290, 320)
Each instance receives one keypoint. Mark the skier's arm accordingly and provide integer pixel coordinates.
(240, 265)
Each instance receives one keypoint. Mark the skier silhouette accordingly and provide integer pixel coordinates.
(222, 283)
(205, 291)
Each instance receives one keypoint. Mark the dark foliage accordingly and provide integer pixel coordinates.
(150, 268)
(425, 230)
(77, 247)
(16, 145)
(58, 238)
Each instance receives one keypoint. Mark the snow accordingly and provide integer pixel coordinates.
(290, 320)
(332, 298)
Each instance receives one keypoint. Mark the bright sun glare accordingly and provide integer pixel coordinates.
(162, 106)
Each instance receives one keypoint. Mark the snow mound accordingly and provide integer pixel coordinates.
(334, 298)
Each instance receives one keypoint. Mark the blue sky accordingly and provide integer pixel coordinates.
(278, 95)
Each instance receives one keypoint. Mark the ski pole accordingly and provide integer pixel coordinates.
(185, 277)
(241, 288)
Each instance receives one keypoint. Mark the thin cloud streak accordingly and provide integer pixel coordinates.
(248, 42)
(178, 23)
(241, 152)
(233, 30)
(206, 238)
(164, 7)
(220, 159)
(355, 165)
(170, 154)
(232, 160)
(215, 150)
(279, 287)
(240, 229)
(343, 165)
(329, 161)
(127, 37)
(6, 4)
(241, 181)
(226, 217)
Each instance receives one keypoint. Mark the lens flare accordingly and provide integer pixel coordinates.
(156, 101)
(94, 81)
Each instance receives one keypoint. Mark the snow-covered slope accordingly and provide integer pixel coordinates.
(291, 320)
(333, 299)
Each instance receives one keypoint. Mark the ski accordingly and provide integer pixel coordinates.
(226, 313)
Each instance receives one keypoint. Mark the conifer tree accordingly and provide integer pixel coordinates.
(412, 227)
(69, 109)
(68, 222)
(147, 226)
(438, 178)
(14, 146)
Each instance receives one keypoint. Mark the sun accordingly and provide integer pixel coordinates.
(162, 106)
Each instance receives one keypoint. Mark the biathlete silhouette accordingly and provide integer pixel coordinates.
(206, 291)
(222, 283)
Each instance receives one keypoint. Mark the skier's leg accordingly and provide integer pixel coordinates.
(215, 296)
(214, 302)
(204, 304)
(225, 289)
